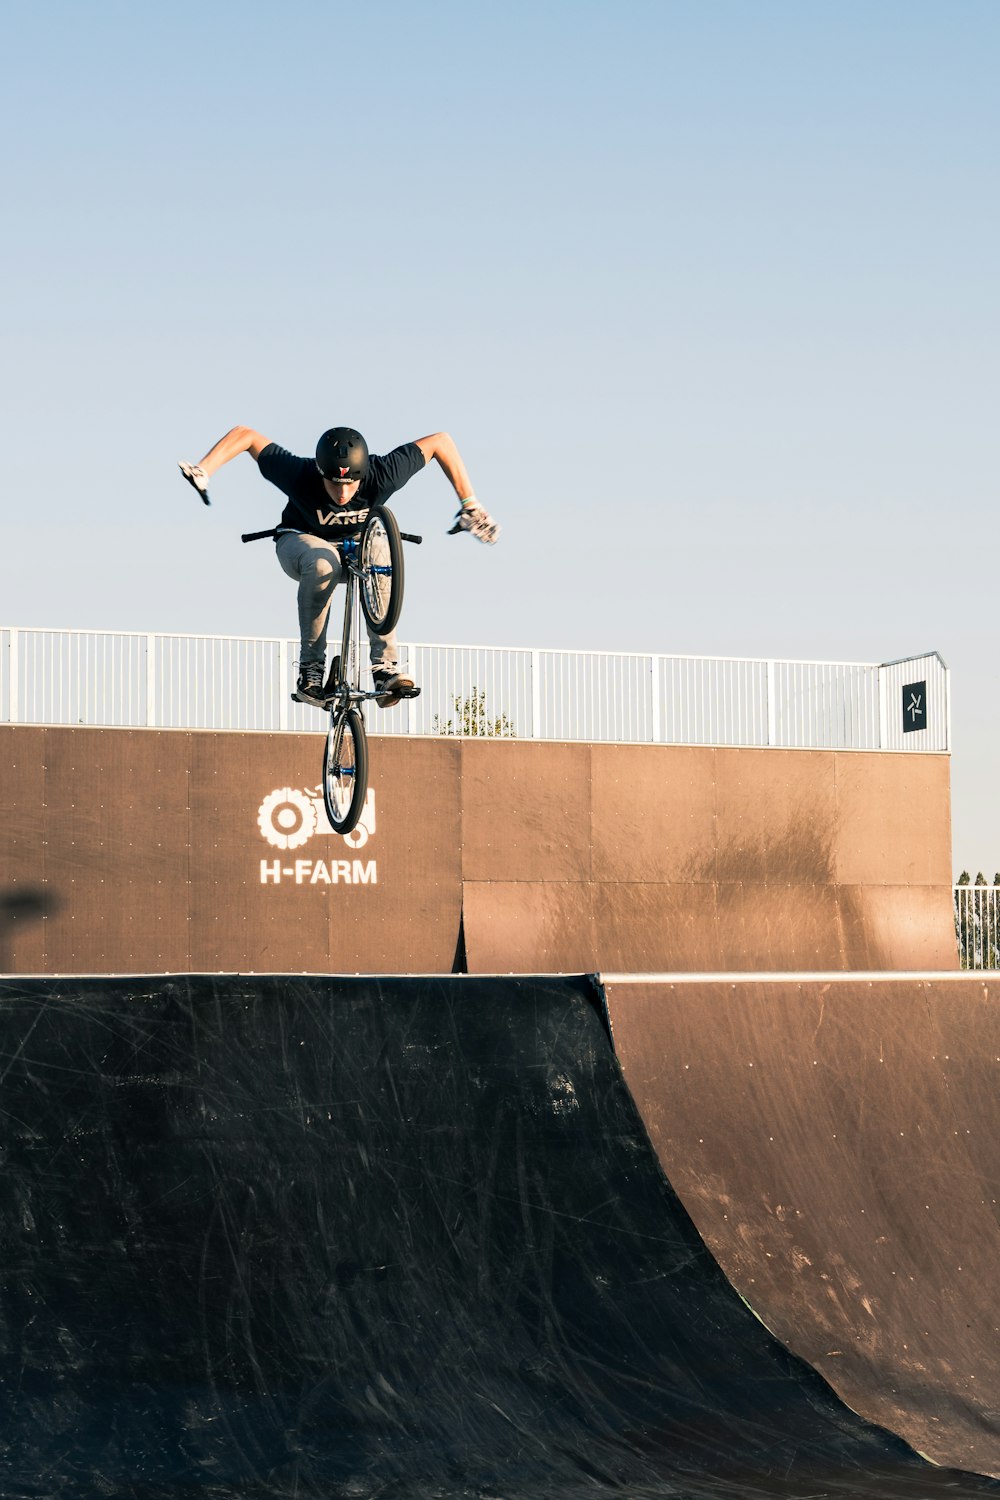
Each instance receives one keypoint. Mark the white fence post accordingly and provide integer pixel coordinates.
(772, 706)
(283, 690)
(151, 682)
(536, 695)
(13, 677)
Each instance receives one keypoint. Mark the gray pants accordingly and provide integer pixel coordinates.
(317, 567)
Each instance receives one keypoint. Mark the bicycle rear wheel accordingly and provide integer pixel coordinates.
(345, 769)
(381, 570)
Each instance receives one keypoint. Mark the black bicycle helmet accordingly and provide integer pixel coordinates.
(342, 453)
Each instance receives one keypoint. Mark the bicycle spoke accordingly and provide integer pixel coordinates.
(345, 769)
(381, 570)
(377, 565)
(342, 770)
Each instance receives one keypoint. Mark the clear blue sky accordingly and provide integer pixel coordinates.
(705, 290)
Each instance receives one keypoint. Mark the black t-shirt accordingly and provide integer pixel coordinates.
(309, 506)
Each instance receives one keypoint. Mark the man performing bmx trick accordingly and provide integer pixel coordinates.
(328, 499)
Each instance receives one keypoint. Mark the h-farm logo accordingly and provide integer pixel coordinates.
(289, 817)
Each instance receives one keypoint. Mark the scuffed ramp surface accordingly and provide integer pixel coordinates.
(836, 1140)
(400, 1238)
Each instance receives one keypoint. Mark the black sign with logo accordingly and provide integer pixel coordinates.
(914, 706)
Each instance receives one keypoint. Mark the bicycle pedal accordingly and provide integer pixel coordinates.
(413, 692)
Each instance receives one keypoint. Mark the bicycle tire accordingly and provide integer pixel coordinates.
(345, 769)
(381, 592)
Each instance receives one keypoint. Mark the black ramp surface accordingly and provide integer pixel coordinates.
(373, 1238)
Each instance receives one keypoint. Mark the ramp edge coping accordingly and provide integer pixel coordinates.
(781, 976)
(785, 976)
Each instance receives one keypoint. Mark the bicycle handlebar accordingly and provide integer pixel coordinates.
(258, 536)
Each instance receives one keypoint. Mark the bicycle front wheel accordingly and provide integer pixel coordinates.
(381, 570)
(345, 769)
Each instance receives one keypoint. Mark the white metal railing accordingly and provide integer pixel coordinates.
(113, 678)
(977, 925)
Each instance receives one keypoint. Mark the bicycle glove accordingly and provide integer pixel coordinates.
(473, 518)
(195, 475)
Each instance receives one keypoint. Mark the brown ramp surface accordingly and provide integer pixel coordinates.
(836, 1140)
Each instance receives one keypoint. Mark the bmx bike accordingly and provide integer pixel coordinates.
(373, 564)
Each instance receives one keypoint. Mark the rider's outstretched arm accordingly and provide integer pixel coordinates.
(472, 517)
(441, 446)
(236, 441)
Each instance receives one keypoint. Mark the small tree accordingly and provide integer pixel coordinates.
(472, 719)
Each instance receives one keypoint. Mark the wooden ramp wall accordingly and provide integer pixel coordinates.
(168, 851)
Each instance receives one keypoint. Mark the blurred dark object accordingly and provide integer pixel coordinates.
(32, 901)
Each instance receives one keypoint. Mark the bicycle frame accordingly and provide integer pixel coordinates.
(345, 679)
(346, 684)
(345, 755)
